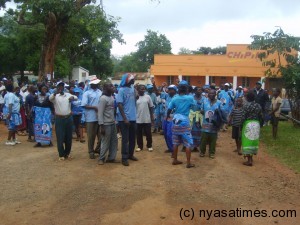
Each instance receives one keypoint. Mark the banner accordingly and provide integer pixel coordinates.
(42, 125)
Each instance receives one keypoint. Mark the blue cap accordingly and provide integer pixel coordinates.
(76, 90)
(172, 86)
(149, 86)
(258, 82)
(183, 82)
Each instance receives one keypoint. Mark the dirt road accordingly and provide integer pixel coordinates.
(38, 189)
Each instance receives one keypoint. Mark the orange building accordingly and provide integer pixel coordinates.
(240, 66)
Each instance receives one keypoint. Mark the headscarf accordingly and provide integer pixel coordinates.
(126, 78)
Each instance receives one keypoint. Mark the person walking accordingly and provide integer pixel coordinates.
(63, 120)
(252, 120)
(210, 109)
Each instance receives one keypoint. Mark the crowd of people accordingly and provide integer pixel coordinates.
(186, 115)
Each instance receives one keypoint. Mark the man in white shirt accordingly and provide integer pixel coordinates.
(63, 120)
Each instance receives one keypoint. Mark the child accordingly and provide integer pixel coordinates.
(235, 121)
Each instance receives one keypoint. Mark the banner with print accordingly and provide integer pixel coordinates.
(42, 125)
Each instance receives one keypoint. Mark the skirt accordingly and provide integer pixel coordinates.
(250, 137)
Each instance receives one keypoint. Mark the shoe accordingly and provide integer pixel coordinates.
(92, 156)
(202, 154)
(133, 158)
(125, 163)
(150, 149)
(154, 131)
(68, 157)
(168, 151)
(138, 150)
(97, 152)
(212, 156)
(10, 143)
(51, 144)
(37, 145)
(30, 140)
(82, 141)
(119, 136)
(61, 159)
(113, 161)
(16, 141)
(100, 162)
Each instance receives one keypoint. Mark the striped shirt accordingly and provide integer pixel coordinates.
(237, 117)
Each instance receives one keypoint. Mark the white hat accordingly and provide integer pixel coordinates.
(2, 88)
(95, 80)
(4, 78)
(240, 86)
(226, 84)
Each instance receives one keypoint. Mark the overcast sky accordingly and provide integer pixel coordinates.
(195, 23)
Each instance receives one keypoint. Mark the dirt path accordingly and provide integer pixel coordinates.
(37, 189)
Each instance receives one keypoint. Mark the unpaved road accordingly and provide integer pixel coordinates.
(38, 189)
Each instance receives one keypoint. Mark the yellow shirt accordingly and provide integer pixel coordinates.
(276, 101)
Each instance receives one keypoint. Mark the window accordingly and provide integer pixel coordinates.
(245, 81)
(186, 78)
(170, 80)
(212, 79)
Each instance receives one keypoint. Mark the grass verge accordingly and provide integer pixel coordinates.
(286, 147)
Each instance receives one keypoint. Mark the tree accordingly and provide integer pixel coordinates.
(221, 50)
(19, 46)
(153, 43)
(57, 18)
(276, 47)
(185, 51)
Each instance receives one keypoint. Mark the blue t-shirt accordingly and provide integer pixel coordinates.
(91, 98)
(126, 96)
(11, 99)
(76, 107)
(182, 104)
(209, 111)
(226, 101)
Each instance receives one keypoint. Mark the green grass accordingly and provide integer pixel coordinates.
(287, 146)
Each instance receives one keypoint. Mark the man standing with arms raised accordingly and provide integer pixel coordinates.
(126, 116)
(63, 120)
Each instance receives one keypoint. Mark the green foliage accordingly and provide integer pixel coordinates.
(282, 45)
(19, 46)
(153, 43)
(287, 146)
(221, 50)
(185, 51)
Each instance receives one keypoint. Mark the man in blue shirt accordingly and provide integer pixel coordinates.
(90, 102)
(181, 131)
(126, 117)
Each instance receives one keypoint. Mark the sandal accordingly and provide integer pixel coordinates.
(247, 164)
(176, 162)
(190, 165)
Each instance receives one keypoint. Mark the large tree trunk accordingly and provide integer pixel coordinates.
(52, 37)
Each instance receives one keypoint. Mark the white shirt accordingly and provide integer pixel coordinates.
(142, 109)
(61, 103)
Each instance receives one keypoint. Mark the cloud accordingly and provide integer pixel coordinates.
(195, 23)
